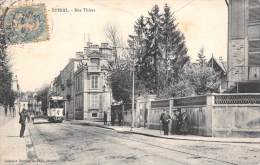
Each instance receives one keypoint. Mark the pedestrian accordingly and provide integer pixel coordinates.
(120, 118)
(13, 108)
(113, 118)
(5, 107)
(32, 117)
(28, 116)
(165, 120)
(105, 118)
(10, 111)
(22, 121)
(145, 117)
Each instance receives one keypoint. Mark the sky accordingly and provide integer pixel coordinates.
(203, 22)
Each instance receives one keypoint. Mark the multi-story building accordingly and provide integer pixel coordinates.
(92, 94)
(83, 83)
(16, 88)
(67, 83)
(244, 44)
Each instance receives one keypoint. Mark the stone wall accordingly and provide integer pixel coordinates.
(220, 115)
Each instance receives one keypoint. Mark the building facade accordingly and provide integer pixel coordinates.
(16, 88)
(243, 42)
(92, 94)
(83, 84)
(220, 67)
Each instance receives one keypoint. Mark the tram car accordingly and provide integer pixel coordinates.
(56, 109)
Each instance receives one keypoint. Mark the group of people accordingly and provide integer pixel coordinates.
(12, 111)
(113, 118)
(180, 122)
(165, 118)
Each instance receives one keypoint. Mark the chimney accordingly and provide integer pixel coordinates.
(104, 45)
(89, 44)
(79, 54)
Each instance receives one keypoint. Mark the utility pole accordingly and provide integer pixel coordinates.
(133, 92)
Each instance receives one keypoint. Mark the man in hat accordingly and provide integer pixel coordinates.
(165, 120)
(22, 120)
(105, 118)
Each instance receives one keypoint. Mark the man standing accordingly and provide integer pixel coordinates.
(14, 112)
(22, 121)
(105, 118)
(165, 119)
(5, 107)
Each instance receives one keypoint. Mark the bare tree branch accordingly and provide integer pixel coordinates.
(113, 36)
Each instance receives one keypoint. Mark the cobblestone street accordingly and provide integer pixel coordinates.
(76, 144)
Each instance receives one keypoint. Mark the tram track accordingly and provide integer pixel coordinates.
(154, 145)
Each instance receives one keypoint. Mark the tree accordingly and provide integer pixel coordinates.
(42, 95)
(154, 37)
(6, 93)
(201, 57)
(120, 81)
(113, 36)
(160, 49)
(173, 48)
(202, 78)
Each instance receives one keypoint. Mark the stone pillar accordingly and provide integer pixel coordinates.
(210, 115)
(150, 98)
(137, 111)
(171, 114)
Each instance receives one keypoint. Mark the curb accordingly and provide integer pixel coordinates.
(31, 153)
(95, 125)
(214, 141)
(163, 137)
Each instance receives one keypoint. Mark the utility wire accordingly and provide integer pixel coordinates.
(185, 5)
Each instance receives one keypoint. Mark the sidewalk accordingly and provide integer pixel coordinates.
(13, 149)
(156, 133)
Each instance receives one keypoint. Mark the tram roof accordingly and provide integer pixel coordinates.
(56, 98)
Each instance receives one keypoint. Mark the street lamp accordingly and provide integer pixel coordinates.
(103, 96)
(133, 91)
(133, 99)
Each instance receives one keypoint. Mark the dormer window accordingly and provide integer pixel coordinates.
(94, 61)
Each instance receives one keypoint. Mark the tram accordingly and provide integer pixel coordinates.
(56, 109)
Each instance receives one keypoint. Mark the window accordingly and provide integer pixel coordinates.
(94, 114)
(237, 19)
(254, 11)
(94, 101)
(254, 36)
(94, 81)
(94, 61)
(56, 104)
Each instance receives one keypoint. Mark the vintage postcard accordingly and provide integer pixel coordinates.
(115, 82)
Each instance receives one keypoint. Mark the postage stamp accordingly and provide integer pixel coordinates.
(26, 24)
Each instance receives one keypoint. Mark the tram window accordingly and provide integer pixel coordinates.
(56, 104)
(94, 114)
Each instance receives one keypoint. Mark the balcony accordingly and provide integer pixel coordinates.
(94, 69)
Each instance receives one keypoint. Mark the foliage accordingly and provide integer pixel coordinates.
(120, 82)
(7, 96)
(201, 57)
(159, 48)
(42, 95)
(202, 78)
(113, 36)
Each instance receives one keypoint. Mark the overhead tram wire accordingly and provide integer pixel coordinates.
(182, 7)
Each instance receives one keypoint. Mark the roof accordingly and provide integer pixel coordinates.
(221, 64)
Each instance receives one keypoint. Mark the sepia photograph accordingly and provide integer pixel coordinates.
(130, 82)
